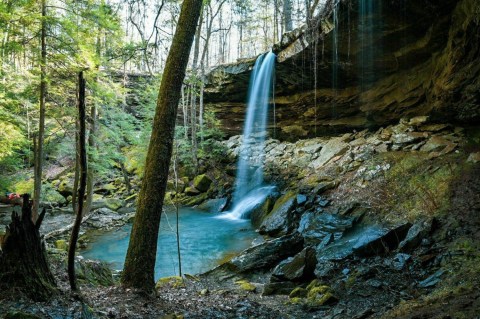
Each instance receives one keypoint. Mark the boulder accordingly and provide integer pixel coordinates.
(316, 226)
(65, 188)
(281, 218)
(361, 241)
(267, 254)
(202, 183)
(105, 189)
(260, 212)
(335, 147)
(415, 235)
(437, 144)
(114, 203)
(296, 268)
(191, 191)
(216, 205)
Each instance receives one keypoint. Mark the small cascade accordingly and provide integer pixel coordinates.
(335, 60)
(249, 180)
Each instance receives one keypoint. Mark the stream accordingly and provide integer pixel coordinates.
(205, 240)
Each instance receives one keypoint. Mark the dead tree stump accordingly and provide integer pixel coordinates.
(23, 260)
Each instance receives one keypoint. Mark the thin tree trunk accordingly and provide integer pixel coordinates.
(37, 187)
(140, 261)
(83, 182)
(287, 15)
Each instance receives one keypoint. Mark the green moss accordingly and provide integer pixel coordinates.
(319, 290)
(61, 244)
(172, 281)
(298, 292)
(245, 285)
(314, 283)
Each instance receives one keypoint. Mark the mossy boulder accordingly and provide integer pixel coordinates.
(281, 218)
(93, 272)
(192, 191)
(298, 292)
(61, 244)
(65, 188)
(246, 285)
(202, 182)
(170, 282)
(114, 203)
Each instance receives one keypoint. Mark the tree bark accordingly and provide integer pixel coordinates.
(287, 15)
(140, 261)
(83, 181)
(37, 187)
(23, 260)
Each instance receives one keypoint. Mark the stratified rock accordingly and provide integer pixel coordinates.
(362, 241)
(335, 147)
(314, 227)
(436, 144)
(280, 220)
(267, 254)
(202, 182)
(415, 235)
(296, 268)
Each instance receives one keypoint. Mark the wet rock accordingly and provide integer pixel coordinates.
(267, 254)
(262, 210)
(278, 288)
(301, 199)
(362, 241)
(432, 280)
(400, 260)
(315, 227)
(202, 182)
(335, 147)
(415, 235)
(215, 205)
(281, 218)
(387, 242)
(296, 268)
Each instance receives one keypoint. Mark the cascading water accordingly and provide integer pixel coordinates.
(249, 188)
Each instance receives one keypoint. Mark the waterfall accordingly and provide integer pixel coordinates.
(249, 188)
(335, 60)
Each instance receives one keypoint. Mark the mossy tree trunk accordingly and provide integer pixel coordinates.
(23, 260)
(140, 261)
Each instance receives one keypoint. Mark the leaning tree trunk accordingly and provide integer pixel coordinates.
(23, 260)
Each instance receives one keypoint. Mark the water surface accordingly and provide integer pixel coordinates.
(205, 240)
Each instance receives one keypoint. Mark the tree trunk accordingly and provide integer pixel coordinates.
(83, 181)
(287, 15)
(37, 187)
(140, 261)
(23, 260)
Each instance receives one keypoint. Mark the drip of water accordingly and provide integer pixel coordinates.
(249, 180)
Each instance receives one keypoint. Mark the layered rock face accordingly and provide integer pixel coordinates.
(401, 59)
